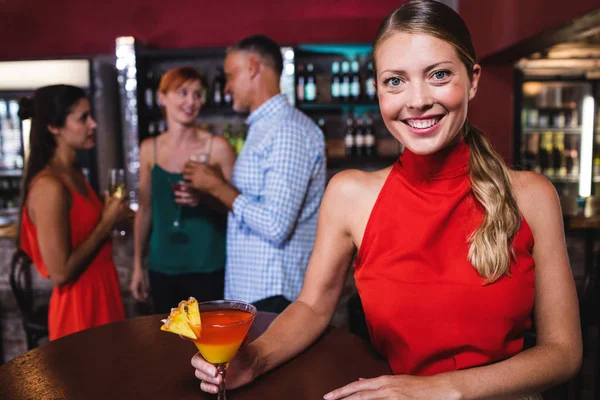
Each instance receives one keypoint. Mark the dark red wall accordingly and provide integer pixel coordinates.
(36, 28)
(497, 24)
(44, 29)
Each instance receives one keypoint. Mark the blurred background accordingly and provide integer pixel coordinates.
(538, 101)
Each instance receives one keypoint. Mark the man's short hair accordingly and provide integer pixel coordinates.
(266, 48)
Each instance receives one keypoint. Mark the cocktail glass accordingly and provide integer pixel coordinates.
(224, 325)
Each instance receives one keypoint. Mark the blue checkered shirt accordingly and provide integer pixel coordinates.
(271, 229)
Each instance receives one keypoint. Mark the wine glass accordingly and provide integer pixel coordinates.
(117, 189)
(176, 235)
(116, 182)
(200, 157)
(223, 327)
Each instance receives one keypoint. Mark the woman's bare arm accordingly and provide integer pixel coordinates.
(49, 206)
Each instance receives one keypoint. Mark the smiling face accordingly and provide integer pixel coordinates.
(423, 89)
(238, 69)
(79, 127)
(183, 103)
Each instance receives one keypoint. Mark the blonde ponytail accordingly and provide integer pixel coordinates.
(491, 250)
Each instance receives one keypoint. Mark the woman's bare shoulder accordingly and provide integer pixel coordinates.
(46, 187)
(220, 143)
(354, 185)
(531, 186)
(535, 195)
(203, 134)
(147, 148)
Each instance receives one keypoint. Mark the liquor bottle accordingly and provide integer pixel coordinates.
(546, 164)
(568, 162)
(149, 92)
(596, 168)
(558, 155)
(300, 84)
(370, 142)
(240, 138)
(559, 120)
(13, 113)
(227, 100)
(359, 138)
(575, 160)
(227, 134)
(345, 85)
(218, 86)
(310, 87)
(162, 126)
(533, 118)
(335, 81)
(349, 138)
(203, 95)
(573, 119)
(370, 90)
(531, 152)
(151, 128)
(157, 76)
(544, 119)
(354, 82)
(321, 124)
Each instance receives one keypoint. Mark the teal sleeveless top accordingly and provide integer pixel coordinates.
(197, 246)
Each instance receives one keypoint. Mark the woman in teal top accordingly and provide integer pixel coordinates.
(187, 233)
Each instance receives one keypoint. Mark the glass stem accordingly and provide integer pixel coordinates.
(221, 369)
(177, 222)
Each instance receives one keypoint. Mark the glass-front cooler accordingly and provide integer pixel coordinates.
(11, 151)
(557, 134)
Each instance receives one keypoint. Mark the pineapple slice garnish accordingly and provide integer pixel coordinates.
(190, 306)
(184, 320)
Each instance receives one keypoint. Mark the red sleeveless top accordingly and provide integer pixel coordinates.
(94, 298)
(427, 309)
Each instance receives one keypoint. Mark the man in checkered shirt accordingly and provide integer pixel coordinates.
(277, 185)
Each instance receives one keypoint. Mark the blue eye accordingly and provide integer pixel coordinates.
(393, 81)
(440, 75)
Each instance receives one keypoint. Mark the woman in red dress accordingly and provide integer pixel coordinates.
(65, 229)
(454, 250)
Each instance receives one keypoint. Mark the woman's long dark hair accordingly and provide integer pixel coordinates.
(49, 106)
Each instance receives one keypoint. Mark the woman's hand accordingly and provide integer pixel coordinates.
(187, 196)
(242, 370)
(398, 387)
(115, 211)
(203, 177)
(138, 285)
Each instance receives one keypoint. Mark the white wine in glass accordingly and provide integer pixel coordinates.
(116, 183)
(117, 189)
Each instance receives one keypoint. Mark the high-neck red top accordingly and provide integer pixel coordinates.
(427, 309)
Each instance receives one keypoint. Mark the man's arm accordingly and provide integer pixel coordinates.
(289, 166)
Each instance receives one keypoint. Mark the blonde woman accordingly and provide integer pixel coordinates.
(455, 251)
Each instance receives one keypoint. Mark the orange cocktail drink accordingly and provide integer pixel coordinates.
(221, 333)
(222, 329)
(217, 328)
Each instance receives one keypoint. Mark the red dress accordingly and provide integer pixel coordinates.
(427, 309)
(94, 298)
